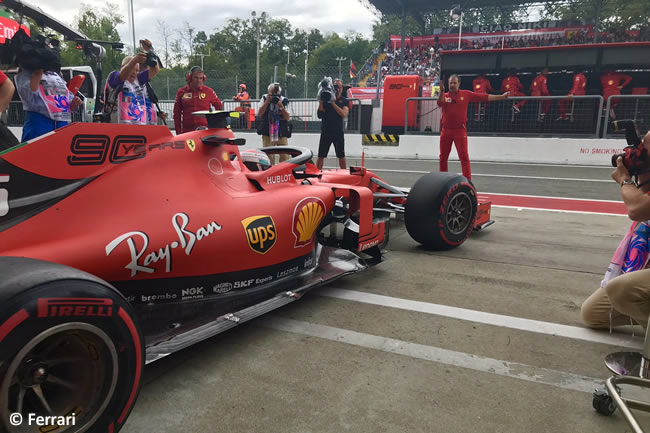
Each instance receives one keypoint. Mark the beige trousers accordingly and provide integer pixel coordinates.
(624, 301)
(282, 141)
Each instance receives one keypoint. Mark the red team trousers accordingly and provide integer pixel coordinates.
(459, 137)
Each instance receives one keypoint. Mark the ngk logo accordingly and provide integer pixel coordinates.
(75, 307)
(193, 291)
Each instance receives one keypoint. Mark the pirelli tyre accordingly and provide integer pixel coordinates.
(71, 352)
(440, 210)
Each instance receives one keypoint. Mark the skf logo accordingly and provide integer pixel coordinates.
(202, 96)
(187, 96)
(307, 215)
(191, 145)
(75, 307)
(260, 232)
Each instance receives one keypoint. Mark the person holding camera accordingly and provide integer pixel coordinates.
(194, 97)
(623, 297)
(125, 94)
(454, 121)
(273, 119)
(332, 111)
(47, 102)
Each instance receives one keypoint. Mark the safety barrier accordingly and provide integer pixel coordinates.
(634, 107)
(516, 116)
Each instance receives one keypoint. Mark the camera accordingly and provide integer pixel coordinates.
(152, 59)
(635, 155)
(276, 93)
(326, 92)
(26, 53)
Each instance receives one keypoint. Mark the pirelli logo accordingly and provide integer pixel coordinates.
(381, 139)
(75, 307)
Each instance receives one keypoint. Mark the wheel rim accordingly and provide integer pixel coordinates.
(69, 368)
(459, 213)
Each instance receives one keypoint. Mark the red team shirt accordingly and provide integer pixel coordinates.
(482, 85)
(539, 86)
(513, 85)
(611, 81)
(188, 101)
(579, 85)
(454, 107)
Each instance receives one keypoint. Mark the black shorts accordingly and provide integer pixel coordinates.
(326, 140)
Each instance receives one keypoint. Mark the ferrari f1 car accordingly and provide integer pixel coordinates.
(121, 244)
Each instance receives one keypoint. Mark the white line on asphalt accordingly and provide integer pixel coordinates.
(508, 176)
(559, 210)
(543, 196)
(528, 325)
(488, 163)
(482, 364)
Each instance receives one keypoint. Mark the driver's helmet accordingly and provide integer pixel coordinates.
(255, 160)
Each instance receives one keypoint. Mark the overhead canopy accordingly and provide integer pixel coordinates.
(388, 7)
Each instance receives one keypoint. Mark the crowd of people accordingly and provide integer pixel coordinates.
(424, 60)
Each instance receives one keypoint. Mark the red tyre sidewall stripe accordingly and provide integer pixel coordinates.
(138, 355)
(12, 322)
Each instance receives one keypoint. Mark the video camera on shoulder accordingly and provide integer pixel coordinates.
(22, 51)
(326, 91)
(635, 154)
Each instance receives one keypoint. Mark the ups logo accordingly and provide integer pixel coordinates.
(260, 232)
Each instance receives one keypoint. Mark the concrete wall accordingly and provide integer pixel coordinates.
(499, 149)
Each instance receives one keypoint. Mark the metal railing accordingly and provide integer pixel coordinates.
(634, 107)
(516, 116)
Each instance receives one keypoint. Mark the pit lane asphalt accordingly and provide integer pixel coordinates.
(331, 364)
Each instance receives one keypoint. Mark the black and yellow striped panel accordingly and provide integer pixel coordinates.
(381, 138)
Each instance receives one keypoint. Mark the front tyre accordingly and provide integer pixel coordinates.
(440, 210)
(69, 349)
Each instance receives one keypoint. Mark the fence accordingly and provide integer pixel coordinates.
(516, 116)
(634, 107)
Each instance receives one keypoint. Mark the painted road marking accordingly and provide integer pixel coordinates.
(534, 164)
(556, 203)
(527, 325)
(482, 364)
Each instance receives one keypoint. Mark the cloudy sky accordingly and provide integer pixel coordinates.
(333, 16)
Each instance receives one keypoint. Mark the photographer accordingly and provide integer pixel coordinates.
(273, 119)
(332, 111)
(125, 93)
(194, 97)
(623, 297)
(47, 102)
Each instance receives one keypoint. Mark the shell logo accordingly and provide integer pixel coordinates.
(610, 82)
(478, 86)
(308, 214)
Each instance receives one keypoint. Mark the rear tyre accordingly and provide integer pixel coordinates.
(69, 348)
(440, 210)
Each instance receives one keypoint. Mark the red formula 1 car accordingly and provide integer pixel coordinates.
(122, 244)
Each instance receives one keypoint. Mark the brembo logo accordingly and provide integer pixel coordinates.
(75, 307)
(260, 232)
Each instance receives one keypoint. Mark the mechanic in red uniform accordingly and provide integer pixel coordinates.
(244, 107)
(194, 97)
(512, 84)
(539, 88)
(481, 85)
(613, 83)
(579, 89)
(454, 120)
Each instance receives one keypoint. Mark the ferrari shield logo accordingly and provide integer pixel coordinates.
(191, 145)
(202, 96)
(260, 232)
(307, 216)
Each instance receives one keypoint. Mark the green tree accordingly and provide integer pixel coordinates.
(614, 14)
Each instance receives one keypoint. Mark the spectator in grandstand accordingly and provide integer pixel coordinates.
(512, 84)
(454, 121)
(613, 83)
(331, 129)
(273, 119)
(125, 93)
(579, 89)
(623, 297)
(194, 97)
(46, 100)
(539, 87)
(481, 85)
